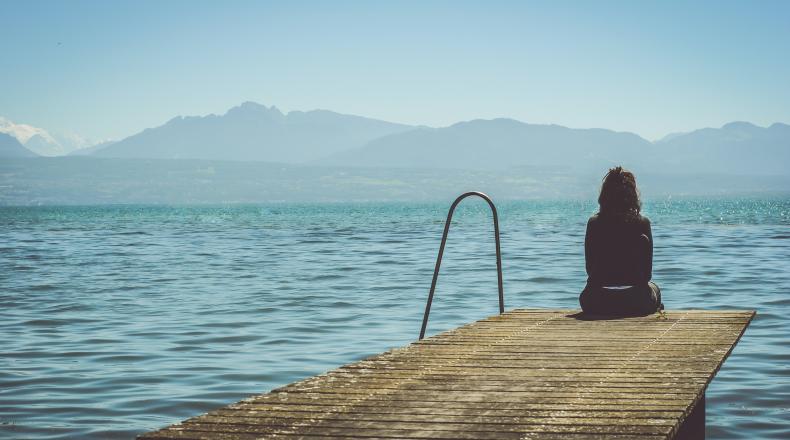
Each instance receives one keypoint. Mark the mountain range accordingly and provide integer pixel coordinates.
(735, 148)
(254, 132)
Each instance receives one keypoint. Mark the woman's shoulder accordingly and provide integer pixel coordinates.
(619, 219)
(595, 218)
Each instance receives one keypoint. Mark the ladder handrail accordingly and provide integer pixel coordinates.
(441, 252)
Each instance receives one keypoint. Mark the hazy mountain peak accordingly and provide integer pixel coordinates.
(739, 125)
(670, 136)
(23, 132)
(251, 105)
(253, 109)
(252, 131)
(487, 123)
(497, 144)
(738, 146)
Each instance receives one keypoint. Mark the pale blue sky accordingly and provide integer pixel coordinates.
(109, 69)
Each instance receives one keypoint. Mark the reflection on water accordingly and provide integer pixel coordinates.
(118, 320)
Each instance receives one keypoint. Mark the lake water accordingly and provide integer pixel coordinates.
(119, 320)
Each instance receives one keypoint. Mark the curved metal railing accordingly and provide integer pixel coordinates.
(441, 252)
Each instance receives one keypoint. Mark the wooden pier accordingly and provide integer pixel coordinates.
(524, 374)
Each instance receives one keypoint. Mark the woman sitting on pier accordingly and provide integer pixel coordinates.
(618, 251)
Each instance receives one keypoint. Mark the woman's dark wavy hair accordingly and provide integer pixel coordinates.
(619, 194)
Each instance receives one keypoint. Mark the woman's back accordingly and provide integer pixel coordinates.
(618, 250)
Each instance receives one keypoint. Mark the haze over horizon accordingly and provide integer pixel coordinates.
(85, 69)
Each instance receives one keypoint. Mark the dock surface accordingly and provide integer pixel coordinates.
(525, 374)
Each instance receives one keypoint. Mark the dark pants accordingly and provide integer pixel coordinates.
(634, 301)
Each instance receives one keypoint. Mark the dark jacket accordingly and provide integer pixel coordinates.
(618, 250)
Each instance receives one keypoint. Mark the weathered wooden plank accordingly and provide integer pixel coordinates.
(384, 395)
(497, 378)
(525, 374)
(405, 420)
(427, 430)
(433, 383)
(479, 406)
(470, 413)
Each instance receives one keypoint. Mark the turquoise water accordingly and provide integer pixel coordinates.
(119, 320)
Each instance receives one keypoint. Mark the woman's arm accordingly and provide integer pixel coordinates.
(647, 264)
(588, 250)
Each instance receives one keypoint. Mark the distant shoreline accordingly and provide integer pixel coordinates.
(101, 181)
(73, 181)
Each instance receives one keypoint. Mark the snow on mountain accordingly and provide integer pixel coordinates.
(42, 142)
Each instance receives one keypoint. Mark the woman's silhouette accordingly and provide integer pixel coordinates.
(618, 252)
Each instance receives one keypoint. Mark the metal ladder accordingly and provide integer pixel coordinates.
(441, 251)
